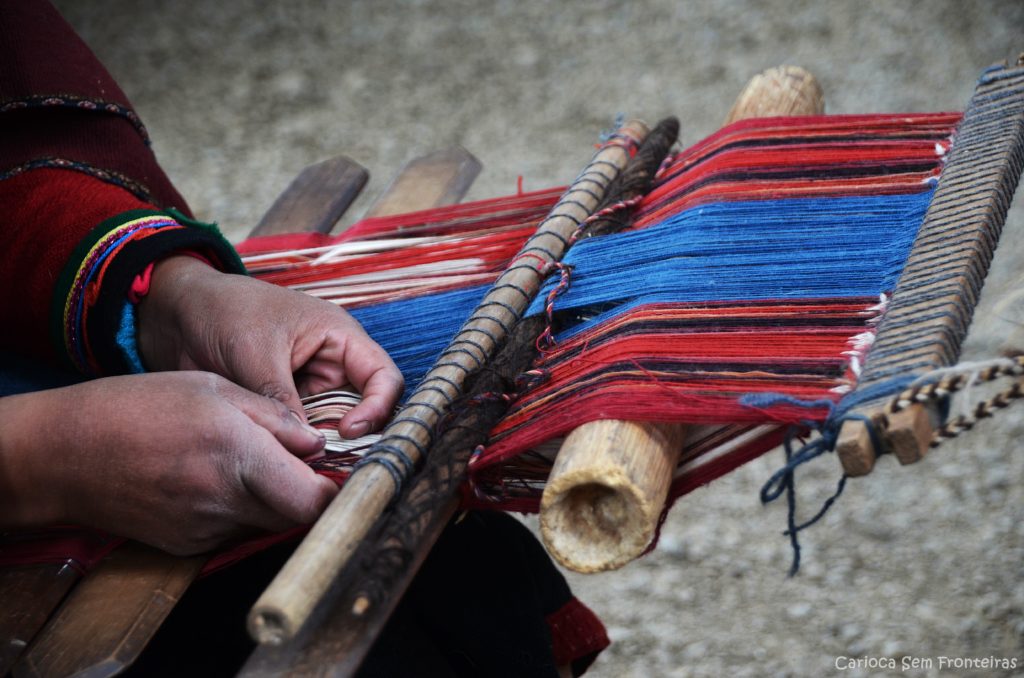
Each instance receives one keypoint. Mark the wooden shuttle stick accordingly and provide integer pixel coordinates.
(291, 597)
(608, 485)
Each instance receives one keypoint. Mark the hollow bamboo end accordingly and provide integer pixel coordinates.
(269, 626)
(606, 491)
(595, 521)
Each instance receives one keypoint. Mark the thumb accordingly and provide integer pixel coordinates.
(284, 483)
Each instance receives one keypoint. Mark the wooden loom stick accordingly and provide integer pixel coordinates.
(433, 180)
(111, 616)
(608, 485)
(287, 603)
(315, 199)
(326, 642)
(934, 299)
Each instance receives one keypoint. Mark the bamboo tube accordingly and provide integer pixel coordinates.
(286, 604)
(608, 486)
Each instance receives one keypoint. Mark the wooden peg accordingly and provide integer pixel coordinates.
(910, 432)
(855, 447)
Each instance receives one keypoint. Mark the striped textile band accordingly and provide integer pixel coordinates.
(88, 303)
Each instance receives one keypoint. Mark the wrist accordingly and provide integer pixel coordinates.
(29, 490)
(160, 309)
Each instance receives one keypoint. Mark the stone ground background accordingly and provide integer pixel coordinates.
(922, 562)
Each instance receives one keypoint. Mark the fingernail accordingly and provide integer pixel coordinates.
(311, 430)
(358, 429)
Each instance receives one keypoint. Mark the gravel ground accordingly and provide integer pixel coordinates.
(923, 562)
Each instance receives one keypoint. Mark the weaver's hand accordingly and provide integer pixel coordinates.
(179, 460)
(273, 341)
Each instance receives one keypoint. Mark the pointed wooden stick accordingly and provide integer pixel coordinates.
(286, 604)
(608, 486)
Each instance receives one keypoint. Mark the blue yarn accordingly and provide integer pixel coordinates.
(771, 249)
(415, 331)
(784, 479)
(127, 339)
(765, 400)
(768, 249)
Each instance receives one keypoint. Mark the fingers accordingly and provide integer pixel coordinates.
(274, 380)
(286, 425)
(374, 374)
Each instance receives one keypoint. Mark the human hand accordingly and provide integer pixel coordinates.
(273, 341)
(182, 460)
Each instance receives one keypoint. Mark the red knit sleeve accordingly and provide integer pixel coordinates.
(74, 246)
(83, 203)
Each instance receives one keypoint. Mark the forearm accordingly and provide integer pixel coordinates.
(29, 494)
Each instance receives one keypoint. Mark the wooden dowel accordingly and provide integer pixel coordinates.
(608, 486)
(286, 604)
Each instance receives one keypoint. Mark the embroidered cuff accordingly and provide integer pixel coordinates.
(88, 310)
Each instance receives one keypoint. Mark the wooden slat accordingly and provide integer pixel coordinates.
(315, 199)
(29, 594)
(83, 639)
(141, 586)
(435, 180)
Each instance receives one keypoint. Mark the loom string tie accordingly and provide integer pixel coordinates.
(546, 341)
(784, 479)
(609, 133)
(380, 457)
(936, 386)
